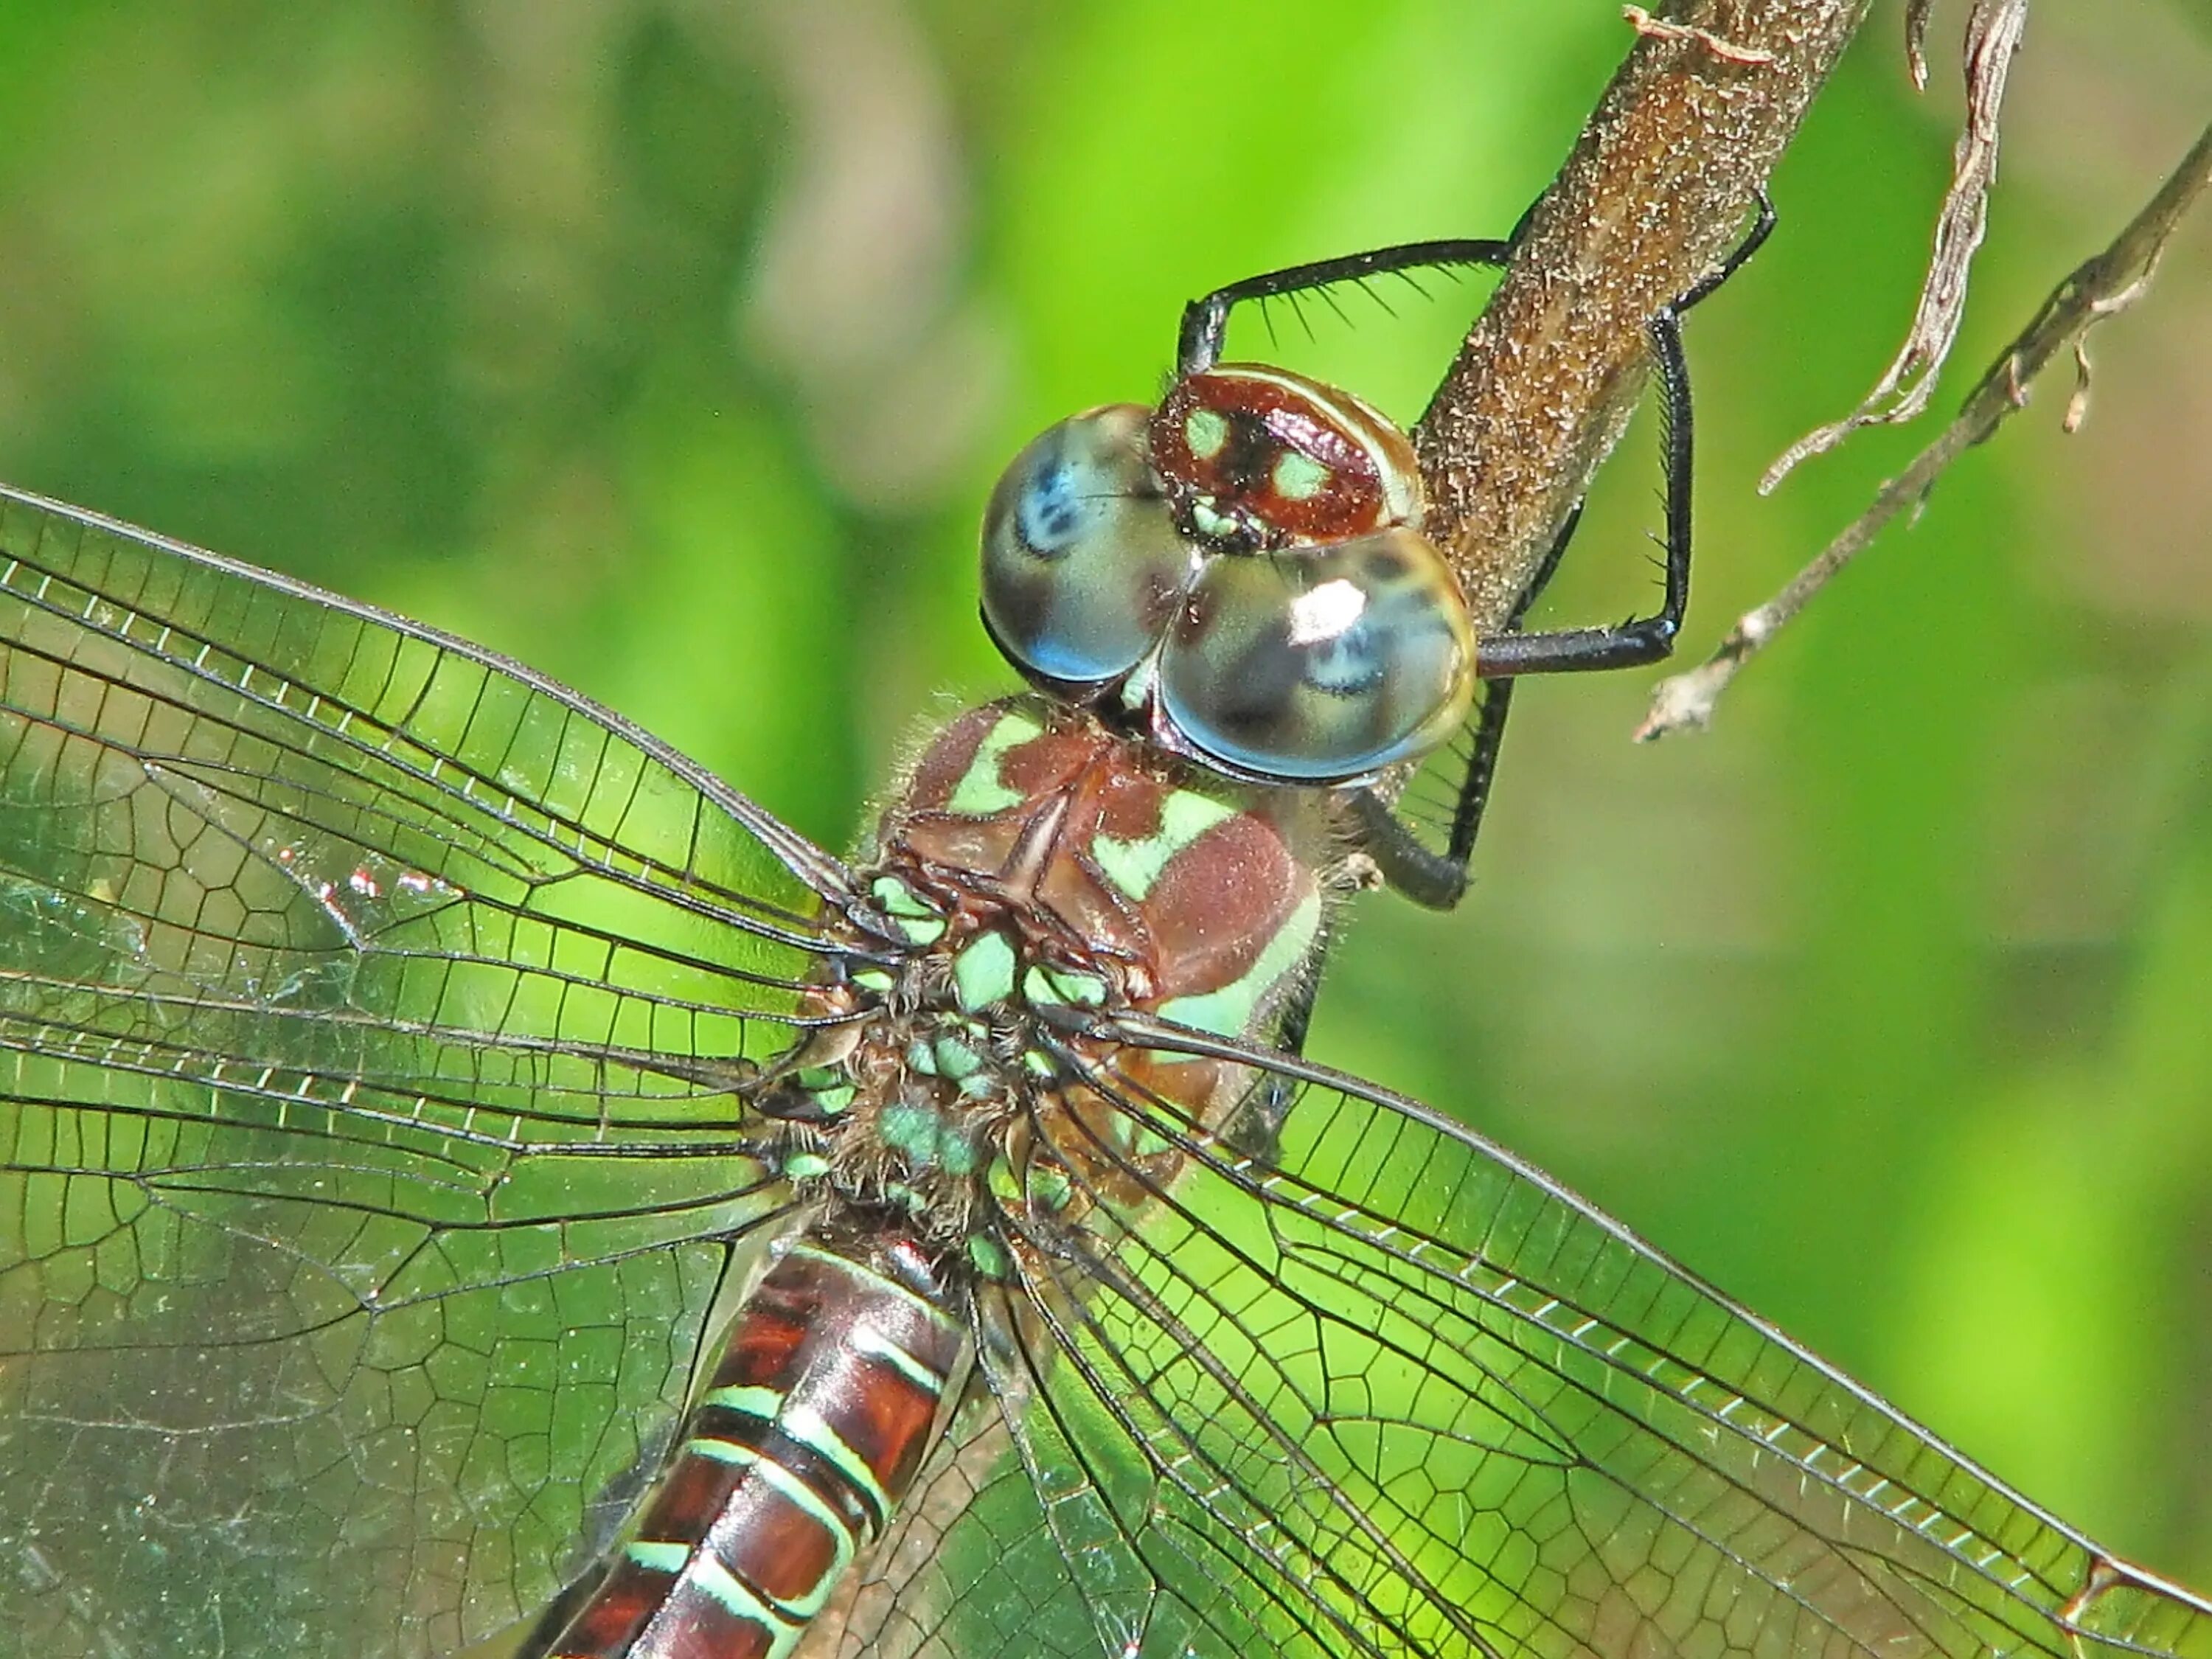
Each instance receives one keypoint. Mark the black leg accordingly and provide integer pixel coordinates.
(1754, 239)
(1438, 879)
(1255, 1127)
(1206, 322)
(1641, 639)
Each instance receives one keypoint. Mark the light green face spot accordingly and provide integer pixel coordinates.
(921, 924)
(1004, 1184)
(983, 972)
(1209, 520)
(806, 1166)
(1049, 986)
(830, 1102)
(1230, 1012)
(1206, 431)
(1135, 866)
(879, 980)
(980, 793)
(1298, 477)
(921, 1057)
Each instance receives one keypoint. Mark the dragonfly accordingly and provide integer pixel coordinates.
(468, 1175)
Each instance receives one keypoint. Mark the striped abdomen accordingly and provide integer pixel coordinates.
(826, 1402)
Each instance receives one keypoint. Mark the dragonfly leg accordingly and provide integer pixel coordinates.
(1437, 880)
(1205, 321)
(1641, 639)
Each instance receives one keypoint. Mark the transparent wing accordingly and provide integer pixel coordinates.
(370, 1012)
(1391, 1392)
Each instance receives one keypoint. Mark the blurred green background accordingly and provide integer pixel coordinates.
(673, 347)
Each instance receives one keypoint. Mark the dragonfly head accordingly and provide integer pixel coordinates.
(1240, 572)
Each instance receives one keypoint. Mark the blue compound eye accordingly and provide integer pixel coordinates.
(1321, 664)
(1083, 565)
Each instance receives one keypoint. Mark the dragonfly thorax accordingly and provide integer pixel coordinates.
(1037, 870)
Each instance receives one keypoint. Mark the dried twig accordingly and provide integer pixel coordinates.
(2102, 286)
(1993, 34)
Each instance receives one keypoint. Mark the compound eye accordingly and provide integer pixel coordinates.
(1082, 562)
(1319, 666)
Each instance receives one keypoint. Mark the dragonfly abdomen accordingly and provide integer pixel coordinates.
(830, 1389)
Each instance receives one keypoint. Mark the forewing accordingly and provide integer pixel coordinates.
(370, 1010)
(1396, 1393)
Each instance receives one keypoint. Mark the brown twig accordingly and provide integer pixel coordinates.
(2110, 283)
(1661, 185)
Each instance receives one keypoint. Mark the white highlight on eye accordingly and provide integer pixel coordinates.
(1326, 612)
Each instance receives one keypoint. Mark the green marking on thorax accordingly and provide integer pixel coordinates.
(979, 792)
(957, 1155)
(827, 1086)
(1145, 1141)
(921, 924)
(912, 1129)
(1050, 1187)
(1230, 1012)
(983, 972)
(956, 1058)
(1063, 985)
(989, 1256)
(1135, 866)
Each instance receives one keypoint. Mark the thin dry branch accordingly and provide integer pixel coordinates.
(1993, 34)
(1661, 185)
(2110, 283)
